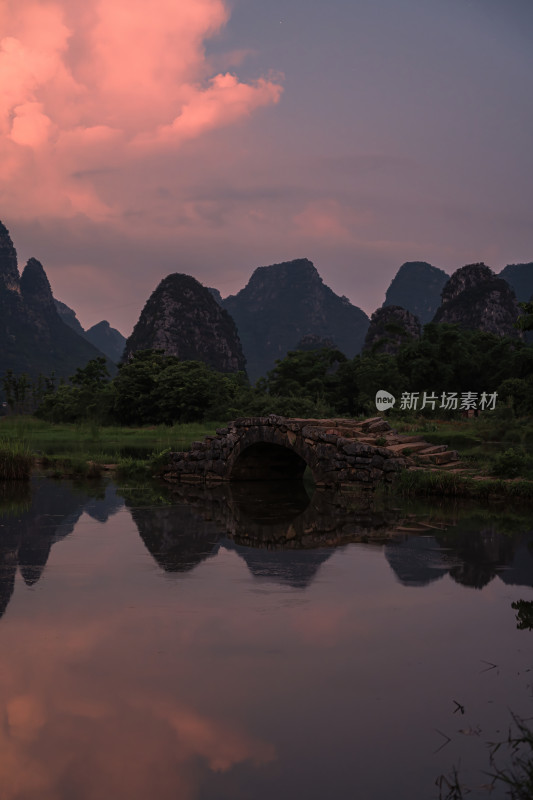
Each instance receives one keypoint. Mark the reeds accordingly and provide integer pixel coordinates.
(16, 460)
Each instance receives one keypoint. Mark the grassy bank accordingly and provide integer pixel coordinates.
(487, 445)
(493, 449)
(85, 450)
(422, 482)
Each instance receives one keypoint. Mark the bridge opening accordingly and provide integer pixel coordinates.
(268, 462)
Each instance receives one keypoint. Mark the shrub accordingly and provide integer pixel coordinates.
(512, 463)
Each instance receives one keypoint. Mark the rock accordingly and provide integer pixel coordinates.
(474, 298)
(391, 327)
(183, 319)
(9, 274)
(284, 304)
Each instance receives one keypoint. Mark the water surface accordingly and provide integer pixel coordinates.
(234, 644)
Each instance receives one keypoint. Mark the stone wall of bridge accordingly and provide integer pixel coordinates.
(337, 451)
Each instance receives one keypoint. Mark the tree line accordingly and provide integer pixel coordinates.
(153, 388)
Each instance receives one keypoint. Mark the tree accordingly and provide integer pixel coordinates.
(93, 375)
(188, 391)
(525, 320)
(362, 377)
(88, 396)
(311, 374)
(136, 385)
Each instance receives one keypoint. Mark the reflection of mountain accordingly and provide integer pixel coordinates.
(177, 536)
(287, 567)
(279, 531)
(519, 569)
(27, 536)
(417, 560)
(8, 570)
(481, 556)
(471, 557)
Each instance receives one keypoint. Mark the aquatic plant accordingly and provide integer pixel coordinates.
(517, 776)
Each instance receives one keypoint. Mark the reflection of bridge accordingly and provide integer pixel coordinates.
(337, 451)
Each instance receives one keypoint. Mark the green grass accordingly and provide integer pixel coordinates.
(16, 460)
(413, 482)
(82, 450)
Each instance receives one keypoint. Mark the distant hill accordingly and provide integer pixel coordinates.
(107, 339)
(183, 318)
(476, 299)
(33, 337)
(417, 287)
(284, 303)
(520, 279)
(69, 317)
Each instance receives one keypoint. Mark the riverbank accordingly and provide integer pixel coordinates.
(91, 450)
(494, 461)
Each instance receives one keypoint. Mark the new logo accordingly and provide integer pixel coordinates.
(384, 400)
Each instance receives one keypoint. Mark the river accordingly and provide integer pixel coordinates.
(250, 643)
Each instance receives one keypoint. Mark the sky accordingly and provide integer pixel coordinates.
(211, 137)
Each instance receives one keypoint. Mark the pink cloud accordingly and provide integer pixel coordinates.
(85, 82)
(223, 102)
(328, 219)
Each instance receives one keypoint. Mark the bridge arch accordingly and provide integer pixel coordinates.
(267, 462)
(262, 453)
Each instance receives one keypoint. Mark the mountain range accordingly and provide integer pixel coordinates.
(33, 337)
(283, 307)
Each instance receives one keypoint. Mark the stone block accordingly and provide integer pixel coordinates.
(325, 451)
(327, 436)
(350, 449)
(391, 465)
(311, 432)
(378, 427)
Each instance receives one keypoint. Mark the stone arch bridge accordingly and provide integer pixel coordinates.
(339, 452)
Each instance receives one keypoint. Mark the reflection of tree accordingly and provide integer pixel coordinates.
(524, 617)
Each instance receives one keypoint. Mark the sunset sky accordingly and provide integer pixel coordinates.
(211, 137)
